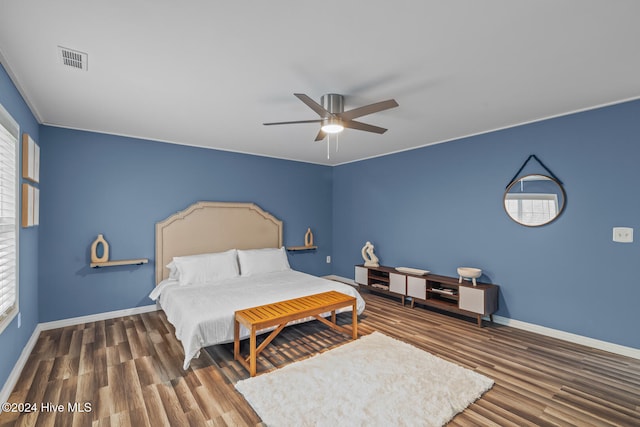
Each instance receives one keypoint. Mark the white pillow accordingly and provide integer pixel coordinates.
(206, 268)
(259, 261)
(173, 271)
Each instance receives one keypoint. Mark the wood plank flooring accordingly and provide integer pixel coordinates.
(129, 371)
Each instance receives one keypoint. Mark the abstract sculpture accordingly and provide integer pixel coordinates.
(370, 259)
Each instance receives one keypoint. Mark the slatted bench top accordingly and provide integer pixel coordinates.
(267, 315)
(282, 312)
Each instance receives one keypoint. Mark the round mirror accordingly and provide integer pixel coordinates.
(534, 200)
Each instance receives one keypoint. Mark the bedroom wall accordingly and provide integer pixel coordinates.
(440, 207)
(13, 339)
(94, 183)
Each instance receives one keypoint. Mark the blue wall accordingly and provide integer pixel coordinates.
(13, 339)
(94, 183)
(440, 207)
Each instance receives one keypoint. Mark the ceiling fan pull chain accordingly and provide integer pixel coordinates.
(328, 146)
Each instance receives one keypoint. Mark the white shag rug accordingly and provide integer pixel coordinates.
(374, 381)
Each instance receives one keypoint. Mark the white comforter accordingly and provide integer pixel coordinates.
(203, 314)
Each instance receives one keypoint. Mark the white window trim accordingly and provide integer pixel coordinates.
(12, 126)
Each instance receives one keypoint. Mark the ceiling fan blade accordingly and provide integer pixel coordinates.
(368, 109)
(352, 124)
(290, 123)
(313, 105)
(321, 135)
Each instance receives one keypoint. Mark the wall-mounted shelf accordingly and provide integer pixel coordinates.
(302, 248)
(119, 262)
(308, 243)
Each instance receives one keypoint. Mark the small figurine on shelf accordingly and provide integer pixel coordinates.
(370, 259)
(308, 238)
(105, 250)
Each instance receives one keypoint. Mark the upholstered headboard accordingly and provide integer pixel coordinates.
(206, 227)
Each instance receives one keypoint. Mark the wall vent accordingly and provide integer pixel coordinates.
(73, 58)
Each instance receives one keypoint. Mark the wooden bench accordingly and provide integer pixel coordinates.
(280, 313)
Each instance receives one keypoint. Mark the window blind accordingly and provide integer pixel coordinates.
(8, 218)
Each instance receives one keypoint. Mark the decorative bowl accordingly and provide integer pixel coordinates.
(410, 270)
(469, 273)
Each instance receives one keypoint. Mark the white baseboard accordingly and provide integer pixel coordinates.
(11, 381)
(96, 317)
(568, 336)
(543, 330)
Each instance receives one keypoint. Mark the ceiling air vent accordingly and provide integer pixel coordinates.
(73, 58)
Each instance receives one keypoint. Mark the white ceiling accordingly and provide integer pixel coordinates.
(209, 73)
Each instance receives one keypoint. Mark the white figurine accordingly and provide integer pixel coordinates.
(370, 259)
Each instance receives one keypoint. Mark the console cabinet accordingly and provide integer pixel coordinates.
(431, 290)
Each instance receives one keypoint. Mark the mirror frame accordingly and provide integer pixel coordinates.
(560, 208)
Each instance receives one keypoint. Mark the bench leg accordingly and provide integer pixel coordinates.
(236, 340)
(252, 352)
(354, 321)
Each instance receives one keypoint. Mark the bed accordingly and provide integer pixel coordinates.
(214, 258)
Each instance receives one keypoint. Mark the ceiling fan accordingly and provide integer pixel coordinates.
(333, 117)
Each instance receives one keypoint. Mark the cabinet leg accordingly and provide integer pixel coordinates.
(479, 320)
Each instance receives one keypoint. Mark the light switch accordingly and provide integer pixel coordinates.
(622, 234)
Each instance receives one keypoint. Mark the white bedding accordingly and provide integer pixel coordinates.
(203, 314)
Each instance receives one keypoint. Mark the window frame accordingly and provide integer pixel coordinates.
(520, 197)
(10, 124)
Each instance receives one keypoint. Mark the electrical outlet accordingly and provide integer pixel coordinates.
(328, 259)
(622, 234)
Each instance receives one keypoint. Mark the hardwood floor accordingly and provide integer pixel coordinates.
(128, 370)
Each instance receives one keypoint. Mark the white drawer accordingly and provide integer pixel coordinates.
(417, 287)
(472, 299)
(361, 275)
(398, 283)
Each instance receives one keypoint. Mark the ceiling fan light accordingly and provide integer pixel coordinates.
(332, 128)
(332, 125)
